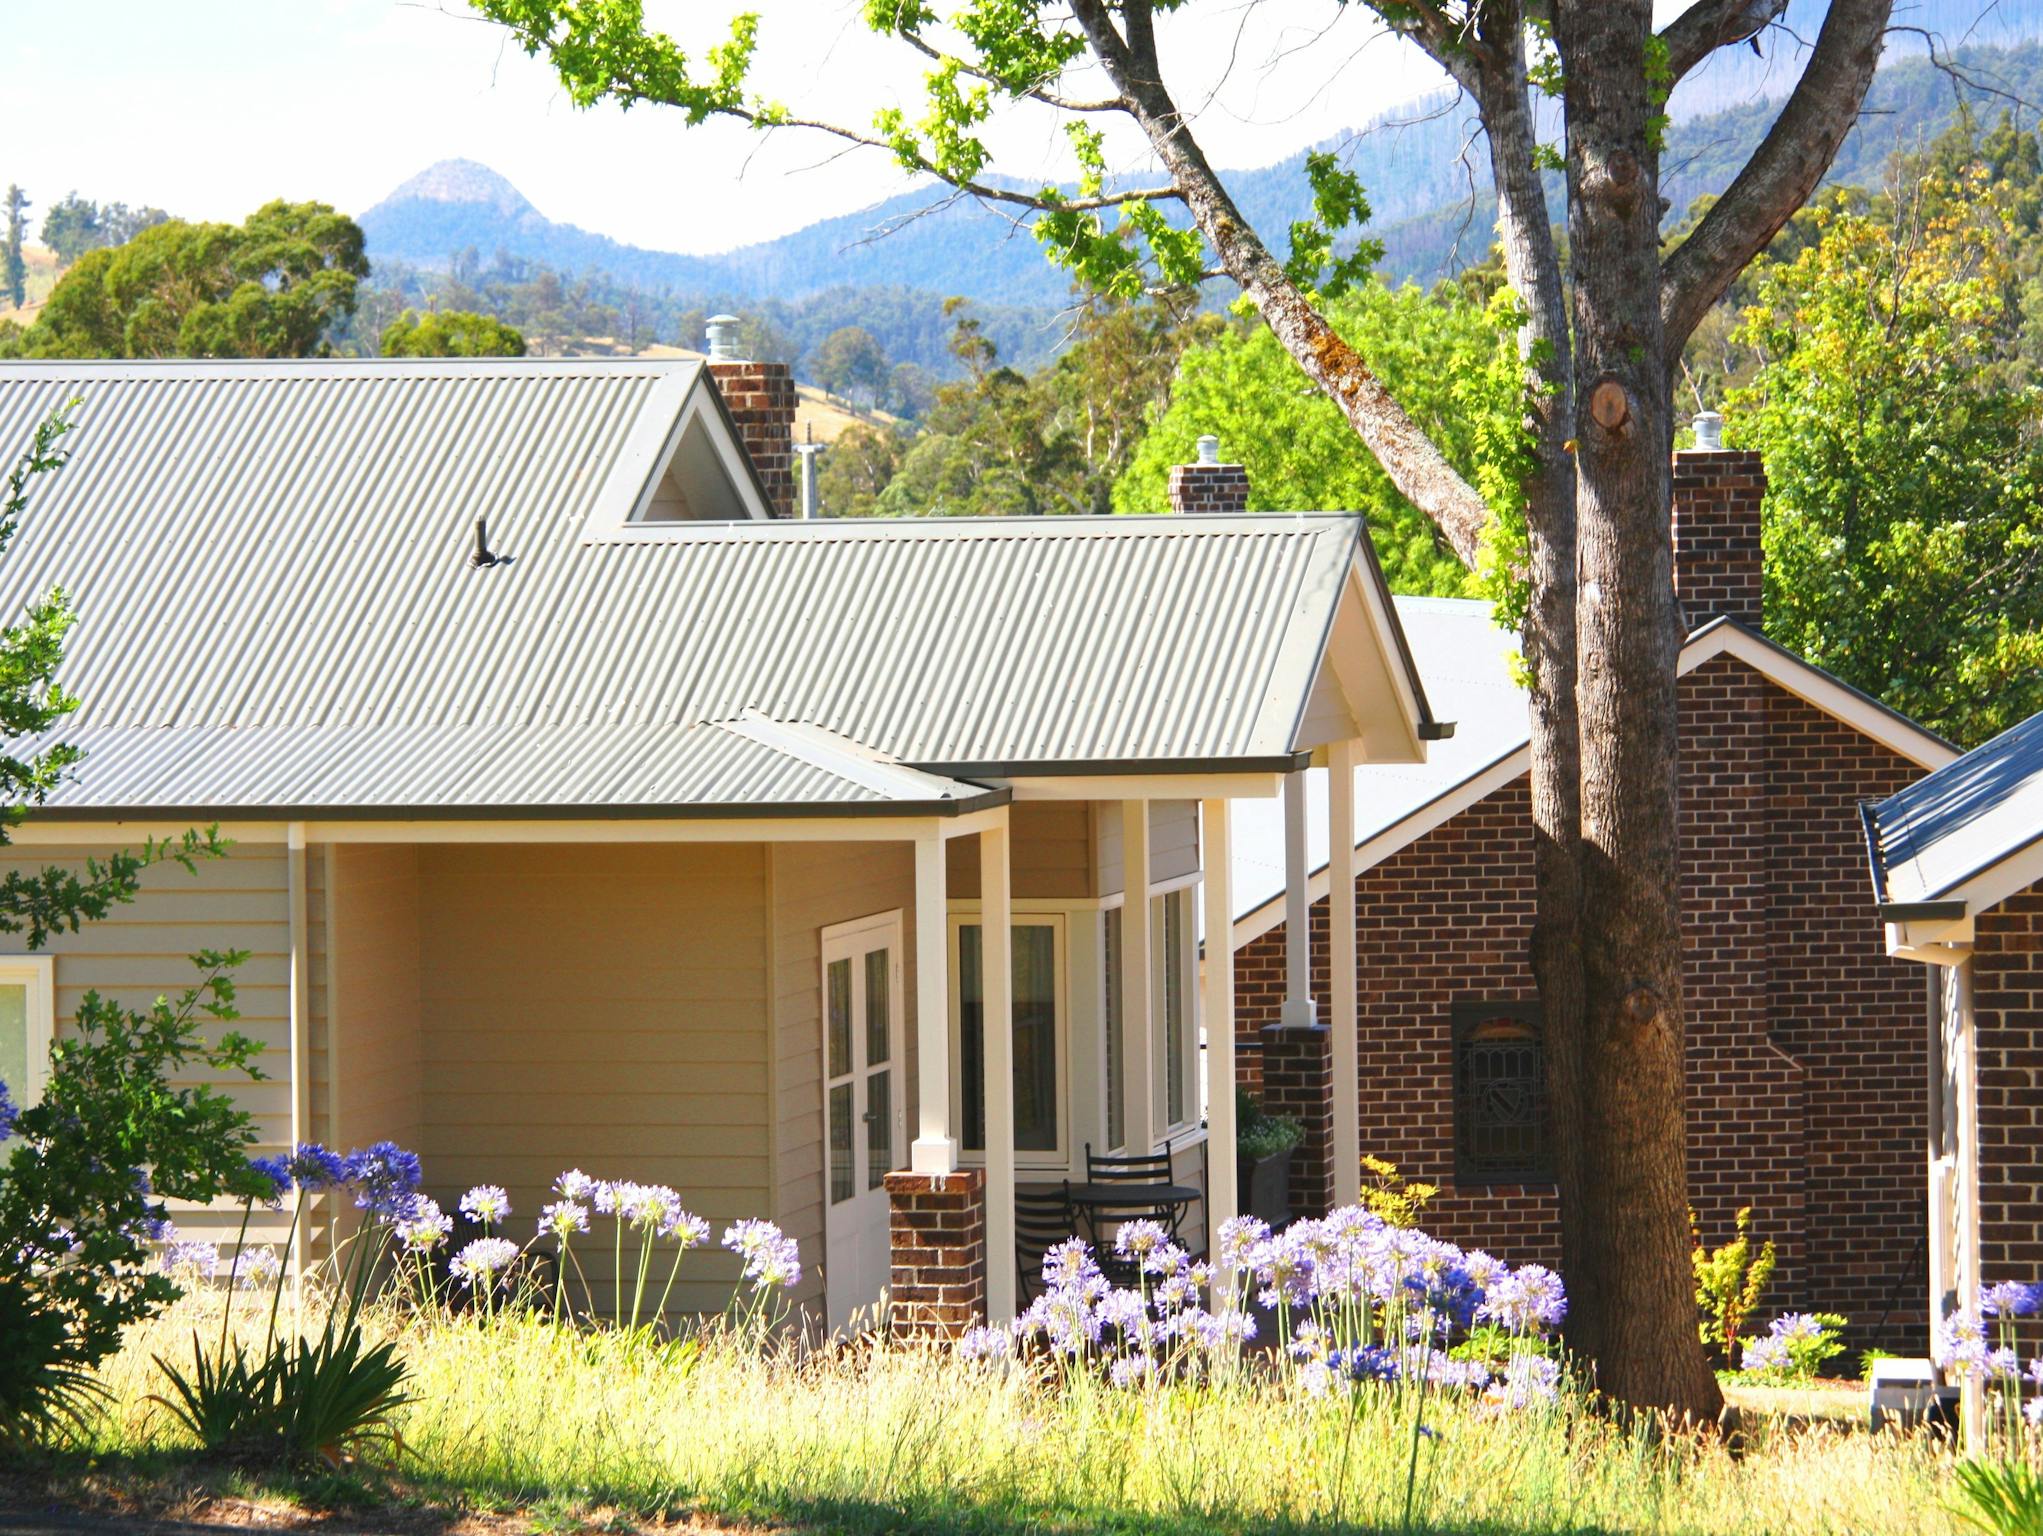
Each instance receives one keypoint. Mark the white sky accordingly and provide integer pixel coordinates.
(210, 107)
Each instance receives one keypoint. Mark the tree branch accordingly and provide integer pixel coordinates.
(1040, 93)
(1709, 25)
(1782, 172)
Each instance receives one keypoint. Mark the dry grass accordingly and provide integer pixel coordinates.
(874, 1438)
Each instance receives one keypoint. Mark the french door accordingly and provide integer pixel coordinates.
(864, 1108)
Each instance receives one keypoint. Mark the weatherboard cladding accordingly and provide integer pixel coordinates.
(271, 573)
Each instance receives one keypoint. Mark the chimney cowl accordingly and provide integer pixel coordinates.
(1209, 448)
(723, 338)
(1709, 432)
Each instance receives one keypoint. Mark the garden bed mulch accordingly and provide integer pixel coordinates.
(189, 1501)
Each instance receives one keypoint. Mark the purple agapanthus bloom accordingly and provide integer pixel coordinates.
(8, 1113)
(313, 1168)
(277, 1170)
(1526, 1300)
(771, 1257)
(563, 1218)
(386, 1180)
(190, 1259)
(1366, 1362)
(1139, 1239)
(1132, 1370)
(653, 1208)
(1238, 1237)
(1531, 1379)
(486, 1204)
(425, 1228)
(1959, 1344)
(1763, 1356)
(574, 1185)
(260, 1268)
(485, 1262)
(985, 1344)
(2010, 1298)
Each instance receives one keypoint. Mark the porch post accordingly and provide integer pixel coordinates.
(1218, 1010)
(1299, 1011)
(1346, 1038)
(300, 1003)
(934, 1150)
(996, 992)
(1137, 1089)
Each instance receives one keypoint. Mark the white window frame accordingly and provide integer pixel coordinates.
(968, 914)
(37, 973)
(1175, 1131)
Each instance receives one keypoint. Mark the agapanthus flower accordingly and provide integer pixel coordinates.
(425, 1228)
(1128, 1313)
(2002, 1365)
(1531, 1379)
(1216, 1330)
(1796, 1328)
(1239, 1236)
(386, 1179)
(190, 1259)
(2035, 1372)
(1959, 1344)
(651, 1208)
(485, 1262)
(1132, 1370)
(8, 1113)
(771, 1256)
(563, 1218)
(1443, 1370)
(603, 1195)
(574, 1185)
(313, 1168)
(1139, 1239)
(1486, 1270)
(1365, 1362)
(1526, 1300)
(486, 1204)
(2032, 1410)
(985, 1344)
(2010, 1298)
(1767, 1355)
(1070, 1266)
(277, 1170)
(260, 1268)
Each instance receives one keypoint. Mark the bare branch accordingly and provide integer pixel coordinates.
(1037, 92)
(1782, 172)
(1709, 25)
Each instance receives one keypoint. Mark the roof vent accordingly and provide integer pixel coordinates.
(1709, 432)
(723, 339)
(1209, 449)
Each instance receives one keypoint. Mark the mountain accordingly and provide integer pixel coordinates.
(1422, 164)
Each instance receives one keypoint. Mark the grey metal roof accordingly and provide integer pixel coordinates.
(1465, 660)
(1946, 829)
(270, 564)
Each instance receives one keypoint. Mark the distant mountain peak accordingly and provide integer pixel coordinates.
(463, 181)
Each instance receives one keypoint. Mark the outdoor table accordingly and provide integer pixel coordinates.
(1094, 1201)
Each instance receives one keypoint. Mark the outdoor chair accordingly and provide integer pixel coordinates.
(1142, 1189)
(1043, 1218)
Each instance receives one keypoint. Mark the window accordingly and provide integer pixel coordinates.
(1038, 1081)
(1500, 1114)
(1169, 918)
(25, 1013)
(1116, 1044)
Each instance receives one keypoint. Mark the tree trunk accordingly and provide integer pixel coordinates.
(1638, 1302)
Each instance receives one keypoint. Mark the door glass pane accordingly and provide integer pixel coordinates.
(1173, 1010)
(879, 1128)
(1035, 1037)
(14, 1041)
(838, 1014)
(1112, 959)
(878, 1013)
(842, 1182)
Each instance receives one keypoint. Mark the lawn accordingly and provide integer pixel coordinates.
(518, 1415)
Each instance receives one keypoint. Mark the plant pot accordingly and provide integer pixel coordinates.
(1263, 1187)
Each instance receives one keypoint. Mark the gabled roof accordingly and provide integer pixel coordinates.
(278, 612)
(1967, 836)
(1466, 661)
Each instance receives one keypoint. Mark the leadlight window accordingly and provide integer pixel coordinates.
(1501, 1129)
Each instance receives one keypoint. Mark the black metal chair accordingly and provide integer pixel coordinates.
(1153, 1169)
(1043, 1218)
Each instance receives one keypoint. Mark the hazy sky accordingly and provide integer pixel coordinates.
(210, 107)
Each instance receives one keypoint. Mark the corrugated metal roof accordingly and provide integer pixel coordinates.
(1968, 817)
(274, 557)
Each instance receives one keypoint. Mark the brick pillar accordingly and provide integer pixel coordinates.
(761, 400)
(1717, 493)
(1208, 486)
(2007, 1013)
(936, 1228)
(1298, 1080)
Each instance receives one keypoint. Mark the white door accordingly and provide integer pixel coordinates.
(864, 1113)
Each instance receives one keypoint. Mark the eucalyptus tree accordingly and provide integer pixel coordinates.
(1601, 630)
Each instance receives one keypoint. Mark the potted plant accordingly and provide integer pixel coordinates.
(1263, 1145)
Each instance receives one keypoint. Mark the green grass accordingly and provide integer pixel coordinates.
(869, 1438)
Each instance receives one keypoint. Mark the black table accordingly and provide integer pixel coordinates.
(1131, 1199)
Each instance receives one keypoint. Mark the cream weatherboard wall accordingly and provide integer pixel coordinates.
(142, 950)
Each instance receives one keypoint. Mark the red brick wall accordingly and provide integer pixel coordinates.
(1208, 488)
(761, 399)
(936, 1228)
(1716, 534)
(1297, 1080)
(2007, 1006)
(1806, 1042)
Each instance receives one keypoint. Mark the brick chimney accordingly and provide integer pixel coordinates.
(761, 399)
(1208, 485)
(1717, 492)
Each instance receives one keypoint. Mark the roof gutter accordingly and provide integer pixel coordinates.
(985, 800)
(1023, 768)
(1921, 911)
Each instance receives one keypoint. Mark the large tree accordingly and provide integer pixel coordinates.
(1602, 629)
(13, 264)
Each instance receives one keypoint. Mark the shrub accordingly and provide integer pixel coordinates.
(1398, 1201)
(1728, 1284)
(1795, 1348)
(1259, 1134)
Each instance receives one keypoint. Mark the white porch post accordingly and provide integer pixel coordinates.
(996, 991)
(300, 1002)
(1218, 1010)
(1298, 1010)
(934, 1150)
(1346, 1042)
(1137, 1087)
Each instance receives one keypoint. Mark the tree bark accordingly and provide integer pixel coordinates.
(1639, 1306)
